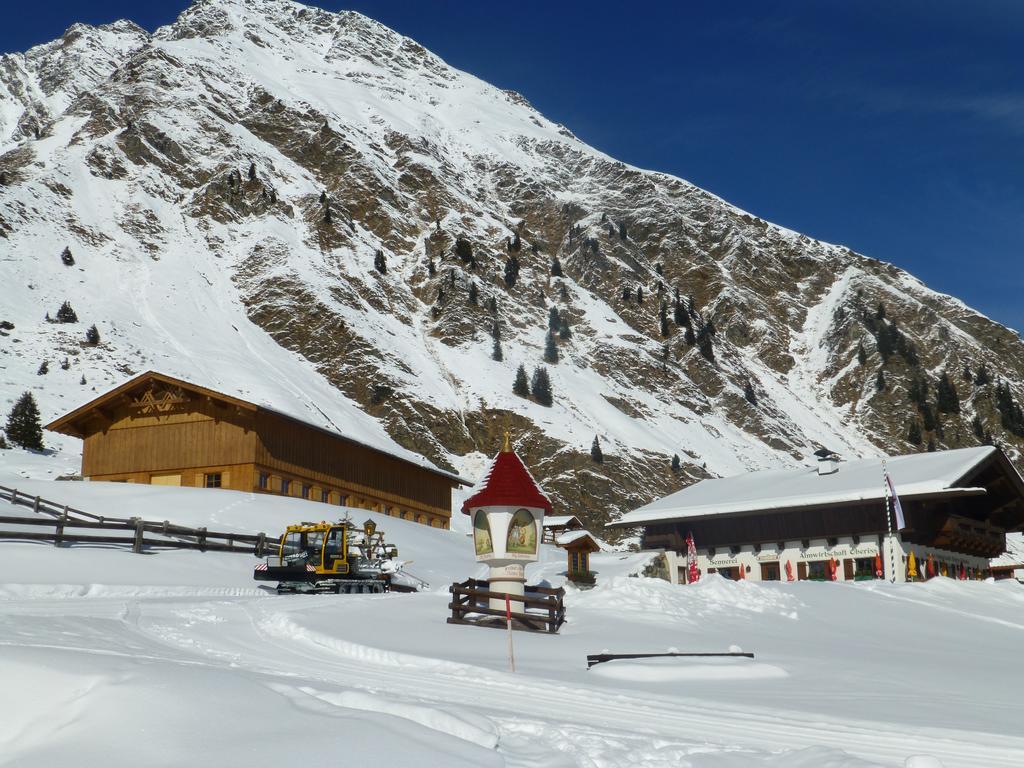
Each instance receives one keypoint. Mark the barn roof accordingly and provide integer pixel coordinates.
(942, 473)
(71, 423)
(508, 483)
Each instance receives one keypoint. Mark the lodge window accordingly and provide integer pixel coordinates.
(403, 514)
(286, 485)
(213, 479)
(770, 572)
(817, 569)
(325, 496)
(864, 568)
(264, 481)
(342, 500)
(305, 491)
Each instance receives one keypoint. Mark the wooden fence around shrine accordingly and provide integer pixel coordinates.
(541, 609)
(65, 518)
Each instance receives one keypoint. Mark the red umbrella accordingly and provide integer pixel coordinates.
(878, 565)
(930, 568)
(789, 570)
(833, 569)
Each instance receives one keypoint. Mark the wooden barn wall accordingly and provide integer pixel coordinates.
(296, 449)
(198, 435)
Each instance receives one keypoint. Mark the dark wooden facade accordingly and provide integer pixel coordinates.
(161, 430)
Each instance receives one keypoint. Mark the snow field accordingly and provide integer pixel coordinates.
(180, 657)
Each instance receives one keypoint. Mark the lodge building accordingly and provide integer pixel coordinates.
(830, 522)
(165, 431)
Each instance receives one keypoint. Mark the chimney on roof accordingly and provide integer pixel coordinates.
(828, 461)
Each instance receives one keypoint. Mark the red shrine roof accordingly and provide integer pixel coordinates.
(508, 483)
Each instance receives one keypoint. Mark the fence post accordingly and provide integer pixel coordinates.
(261, 543)
(58, 535)
(201, 537)
(140, 529)
(35, 505)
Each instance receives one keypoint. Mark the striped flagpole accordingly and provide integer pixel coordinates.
(888, 522)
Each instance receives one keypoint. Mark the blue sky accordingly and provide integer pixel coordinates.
(894, 128)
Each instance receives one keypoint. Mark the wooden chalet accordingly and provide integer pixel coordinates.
(165, 431)
(830, 522)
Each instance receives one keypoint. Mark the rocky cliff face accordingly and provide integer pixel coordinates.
(310, 209)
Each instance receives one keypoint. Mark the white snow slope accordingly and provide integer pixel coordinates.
(177, 658)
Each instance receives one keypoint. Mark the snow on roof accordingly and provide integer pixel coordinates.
(914, 475)
(560, 521)
(507, 483)
(1014, 554)
(570, 536)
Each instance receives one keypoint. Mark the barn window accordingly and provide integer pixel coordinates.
(264, 481)
(343, 500)
(403, 514)
(286, 485)
(213, 479)
(305, 490)
(325, 496)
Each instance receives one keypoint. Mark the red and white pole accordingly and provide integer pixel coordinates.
(508, 624)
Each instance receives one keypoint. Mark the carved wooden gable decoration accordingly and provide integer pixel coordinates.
(160, 398)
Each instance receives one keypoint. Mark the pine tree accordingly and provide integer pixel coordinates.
(679, 314)
(749, 394)
(550, 349)
(931, 445)
(67, 258)
(496, 331)
(540, 386)
(981, 378)
(659, 268)
(880, 380)
(431, 268)
(323, 197)
(948, 399)
(928, 418)
(554, 321)
(23, 427)
(704, 342)
(688, 337)
(675, 462)
(496, 354)
(463, 249)
(92, 335)
(82, 382)
(3, 440)
(639, 294)
(66, 314)
(472, 293)
(914, 432)
(521, 386)
(978, 427)
(517, 244)
(328, 216)
(380, 263)
(663, 319)
(917, 391)
(564, 332)
(880, 312)
(627, 293)
(968, 376)
(595, 451)
(44, 368)
(862, 355)
(511, 271)
(556, 267)
(252, 171)
(622, 230)
(65, 364)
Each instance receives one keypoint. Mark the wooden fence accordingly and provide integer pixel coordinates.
(170, 536)
(600, 658)
(541, 609)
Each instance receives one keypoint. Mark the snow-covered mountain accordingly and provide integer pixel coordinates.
(267, 198)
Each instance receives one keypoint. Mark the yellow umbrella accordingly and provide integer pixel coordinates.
(911, 566)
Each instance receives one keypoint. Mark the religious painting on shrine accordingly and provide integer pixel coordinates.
(482, 533)
(522, 534)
